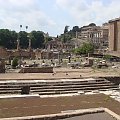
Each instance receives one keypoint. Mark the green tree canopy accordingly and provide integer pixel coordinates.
(65, 37)
(84, 49)
(48, 39)
(37, 39)
(13, 40)
(66, 29)
(23, 37)
(75, 29)
(15, 62)
(8, 38)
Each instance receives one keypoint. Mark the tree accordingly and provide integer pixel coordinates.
(13, 40)
(84, 49)
(4, 38)
(75, 29)
(66, 29)
(107, 57)
(8, 38)
(65, 37)
(23, 37)
(15, 62)
(48, 39)
(37, 39)
(92, 24)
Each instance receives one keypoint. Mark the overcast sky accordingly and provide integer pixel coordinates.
(53, 15)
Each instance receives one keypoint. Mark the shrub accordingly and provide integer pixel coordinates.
(107, 57)
(15, 62)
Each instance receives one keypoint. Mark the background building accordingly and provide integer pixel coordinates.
(97, 35)
(114, 35)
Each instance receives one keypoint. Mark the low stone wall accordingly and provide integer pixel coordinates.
(66, 114)
(36, 70)
(62, 115)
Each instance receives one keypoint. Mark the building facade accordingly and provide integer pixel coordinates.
(114, 35)
(97, 35)
(100, 36)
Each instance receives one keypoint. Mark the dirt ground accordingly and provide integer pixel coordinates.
(60, 73)
(14, 107)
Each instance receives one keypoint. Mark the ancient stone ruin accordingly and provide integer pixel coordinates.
(2, 65)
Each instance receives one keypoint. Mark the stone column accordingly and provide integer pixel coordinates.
(29, 45)
(76, 34)
(18, 45)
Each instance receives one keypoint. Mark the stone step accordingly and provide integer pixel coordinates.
(10, 92)
(70, 86)
(21, 82)
(57, 92)
(10, 88)
(62, 88)
(55, 87)
(77, 89)
(48, 84)
(66, 84)
(73, 90)
(63, 92)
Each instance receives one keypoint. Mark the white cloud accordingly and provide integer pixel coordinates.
(52, 15)
(86, 11)
(25, 12)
